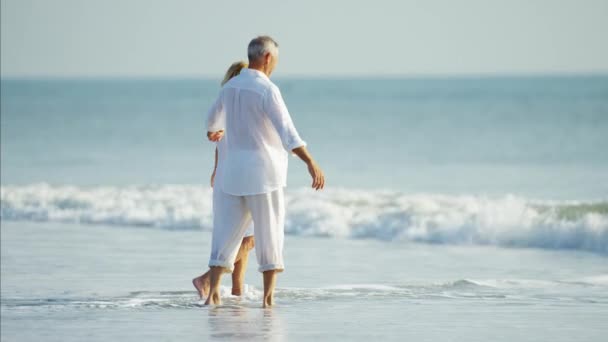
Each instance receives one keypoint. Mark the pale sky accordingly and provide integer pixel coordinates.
(152, 38)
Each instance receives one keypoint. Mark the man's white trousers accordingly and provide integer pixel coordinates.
(232, 215)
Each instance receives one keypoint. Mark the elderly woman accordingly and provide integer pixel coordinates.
(201, 283)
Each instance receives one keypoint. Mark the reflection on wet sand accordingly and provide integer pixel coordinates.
(241, 322)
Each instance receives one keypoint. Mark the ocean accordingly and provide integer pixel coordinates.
(455, 209)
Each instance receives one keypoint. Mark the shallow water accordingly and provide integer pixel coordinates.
(61, 282)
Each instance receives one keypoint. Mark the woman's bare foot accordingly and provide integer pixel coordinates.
(214, 299)
(202, 285)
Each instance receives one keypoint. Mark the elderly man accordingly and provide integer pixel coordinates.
(259, 135)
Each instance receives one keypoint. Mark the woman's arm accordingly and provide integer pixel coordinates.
(216, 118)
(214, 168)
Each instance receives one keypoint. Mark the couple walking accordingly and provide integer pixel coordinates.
(254, 134)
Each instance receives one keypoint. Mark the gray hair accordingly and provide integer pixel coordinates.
(260, 46)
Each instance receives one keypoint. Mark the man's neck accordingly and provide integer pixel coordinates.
(261, 68)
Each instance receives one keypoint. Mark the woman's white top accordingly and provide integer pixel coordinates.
(259, 133)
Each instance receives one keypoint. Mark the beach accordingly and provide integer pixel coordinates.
(455, 209)
(64, 283)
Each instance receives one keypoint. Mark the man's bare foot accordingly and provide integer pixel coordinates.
(202, 285)
(270, 279)
(268, 301)
(237, 291)
(214, 299)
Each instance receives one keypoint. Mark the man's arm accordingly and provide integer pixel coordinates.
(281, 120)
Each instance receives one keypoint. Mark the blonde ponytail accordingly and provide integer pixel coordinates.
(234, 70)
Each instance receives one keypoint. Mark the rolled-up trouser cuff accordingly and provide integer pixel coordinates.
(270, 267)
(219, 263)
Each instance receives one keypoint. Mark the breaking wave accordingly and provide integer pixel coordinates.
(394, 216)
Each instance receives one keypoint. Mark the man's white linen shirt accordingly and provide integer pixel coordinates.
(259, 133)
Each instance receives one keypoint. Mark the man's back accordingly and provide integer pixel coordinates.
(259, 131)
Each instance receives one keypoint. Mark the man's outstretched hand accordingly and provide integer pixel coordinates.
(215, 136)
(318, 178)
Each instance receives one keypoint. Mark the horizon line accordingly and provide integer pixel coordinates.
(379, 76)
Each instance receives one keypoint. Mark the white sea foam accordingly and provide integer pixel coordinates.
(512, 291)
(432, 218)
